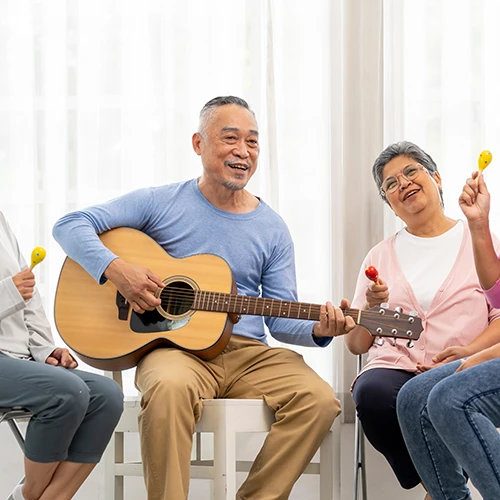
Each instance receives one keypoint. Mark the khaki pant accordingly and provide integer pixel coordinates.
(174, 383)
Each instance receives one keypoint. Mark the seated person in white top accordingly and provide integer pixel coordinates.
(74, 412)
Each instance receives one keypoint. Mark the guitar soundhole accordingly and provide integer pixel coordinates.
(175, 311)
(176, 299)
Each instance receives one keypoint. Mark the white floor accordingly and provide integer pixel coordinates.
(381, 482)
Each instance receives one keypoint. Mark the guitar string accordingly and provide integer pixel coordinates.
(294, 307)
(191, 296)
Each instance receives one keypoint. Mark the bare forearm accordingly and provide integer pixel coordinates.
(494, 351)
(485, 257)
(358, 341)
(114, 271)
(490, 337)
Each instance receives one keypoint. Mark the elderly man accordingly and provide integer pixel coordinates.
(215, 214)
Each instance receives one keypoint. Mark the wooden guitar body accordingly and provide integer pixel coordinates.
(87, 315)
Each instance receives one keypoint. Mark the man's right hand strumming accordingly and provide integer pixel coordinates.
(136, 283)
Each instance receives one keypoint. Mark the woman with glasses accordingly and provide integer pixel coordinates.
(449, 416)
(427, 267)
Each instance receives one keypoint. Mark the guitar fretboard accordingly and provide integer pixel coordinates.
(256, 306)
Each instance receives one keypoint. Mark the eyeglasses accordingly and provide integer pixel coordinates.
(392, 183)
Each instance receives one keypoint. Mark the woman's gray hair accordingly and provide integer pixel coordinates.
(402, 148)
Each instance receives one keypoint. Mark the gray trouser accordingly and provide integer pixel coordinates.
(74, 412)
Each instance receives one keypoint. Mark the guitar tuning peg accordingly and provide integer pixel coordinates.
(384, 305)
(379, 341)
(399, 309)
(413, 315)
(410, 344)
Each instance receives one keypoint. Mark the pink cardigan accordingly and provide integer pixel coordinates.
(458, 314)
(493, 294)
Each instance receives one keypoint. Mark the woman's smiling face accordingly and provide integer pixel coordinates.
(411, 196)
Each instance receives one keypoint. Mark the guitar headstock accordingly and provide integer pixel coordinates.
(382, 322)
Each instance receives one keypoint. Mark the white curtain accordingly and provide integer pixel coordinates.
(99, 97)
(442, 74)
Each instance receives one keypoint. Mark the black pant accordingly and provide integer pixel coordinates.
(375, 394)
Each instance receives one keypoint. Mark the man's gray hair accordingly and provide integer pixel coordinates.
(403, 148)
(208, 110)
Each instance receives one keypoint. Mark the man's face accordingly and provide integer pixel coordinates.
(229, 148)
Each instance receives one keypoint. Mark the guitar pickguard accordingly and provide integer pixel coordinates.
(153, 321)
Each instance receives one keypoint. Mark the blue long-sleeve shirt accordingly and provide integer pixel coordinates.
(256, 245)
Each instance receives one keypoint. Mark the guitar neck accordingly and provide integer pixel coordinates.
(378, 321)
(258, 306)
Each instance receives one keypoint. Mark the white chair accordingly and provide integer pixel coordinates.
(224, 418)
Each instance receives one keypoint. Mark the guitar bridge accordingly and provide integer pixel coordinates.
(123, 307)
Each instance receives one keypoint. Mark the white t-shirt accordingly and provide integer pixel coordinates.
(426, 262)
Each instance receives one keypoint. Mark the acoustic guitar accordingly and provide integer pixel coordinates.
(198, 308)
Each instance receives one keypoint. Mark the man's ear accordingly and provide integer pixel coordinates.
(197, 142)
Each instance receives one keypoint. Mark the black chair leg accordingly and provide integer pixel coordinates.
(14, 427)
(9, 416)
(359, 451)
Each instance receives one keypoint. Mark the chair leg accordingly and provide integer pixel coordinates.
(212, 490)
(356, 457)
(359, 449)
(17, 433)
(359, 460)
(198, 456)
(363, 463)
(225, 462)
(19, 438)
(327, 473)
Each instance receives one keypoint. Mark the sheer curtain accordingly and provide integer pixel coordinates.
(442, 73)
(101, 97)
